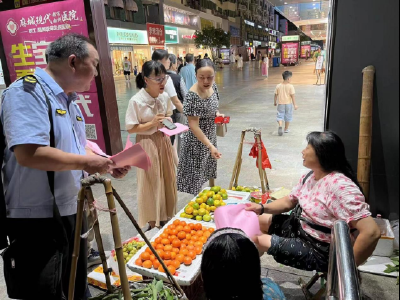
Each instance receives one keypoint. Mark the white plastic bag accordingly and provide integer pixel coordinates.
(395, 227)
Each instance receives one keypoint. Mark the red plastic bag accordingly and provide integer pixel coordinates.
(266, 164)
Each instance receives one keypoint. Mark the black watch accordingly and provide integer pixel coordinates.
(262, 209)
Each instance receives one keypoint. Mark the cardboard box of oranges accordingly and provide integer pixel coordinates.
(180, 244)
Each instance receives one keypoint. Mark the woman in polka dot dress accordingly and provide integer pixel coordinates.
(199, 153)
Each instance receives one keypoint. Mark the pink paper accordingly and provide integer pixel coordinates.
(95, 148)
(134, 156)
(236, 216)
(179, 129)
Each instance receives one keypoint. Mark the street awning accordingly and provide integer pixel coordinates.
(116, 3)
(131, 5)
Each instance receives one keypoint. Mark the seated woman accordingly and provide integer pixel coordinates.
(231, 269)
(329, 193)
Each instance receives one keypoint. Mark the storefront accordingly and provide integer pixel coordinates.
(183, 43)
(2, 83)
(128, 43)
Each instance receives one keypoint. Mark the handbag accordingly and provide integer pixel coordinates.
(222, 129)
(37, 273)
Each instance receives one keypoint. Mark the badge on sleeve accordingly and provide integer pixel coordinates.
(61, 112)
(79, 119)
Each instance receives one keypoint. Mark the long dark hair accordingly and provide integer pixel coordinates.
(148, 69)
(331, 154)
(159, 54)
(225, 261)
(203, 63)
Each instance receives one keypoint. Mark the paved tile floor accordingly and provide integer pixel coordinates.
(248, 99)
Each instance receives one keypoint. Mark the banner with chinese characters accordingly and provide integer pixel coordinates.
(27, 32)
(156, 34)
(290, 53)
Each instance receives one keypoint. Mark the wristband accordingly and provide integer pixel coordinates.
(262, 209)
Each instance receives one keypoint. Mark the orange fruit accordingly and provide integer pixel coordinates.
(198, 244)
(139, 262)
(200, 233)
(176, 264)
(165, 242)
(156, 264)
(195, 238)
(148, 264)
(203, 239)
(168, 248)
(167, 255)
(185, 242)
(184, 252)
(174, 232)
(167, 262)
(192, 254)
(193, 232)
(164, 236)
(183, 246)
(190, 248)
(148, 250)
(160, 247)
(145, 256)
(191, 225)
(188, 261)
(172, 237)
(198, 250)
(183, 223)
(191, 243)
(153, 257)
(181, 235)
(161, 269)
(177, 222)
(161, 253)
(188, 237)
(207, 234)
(173, 255)
(158, 240)
(172, 269)
(167, 231)
(171, 227)
(198, 227)
(187, 229)
(176, 250)
(211, 230)
(176, 243)
(180, 258)
(179, 228)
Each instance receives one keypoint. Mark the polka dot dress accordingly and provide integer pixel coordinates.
(196, 165)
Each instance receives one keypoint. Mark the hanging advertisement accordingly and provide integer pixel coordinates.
(235, 32)
(171, 35)
(174, 17)
(186, 36)
(290, 53)
(225, 54)
(27, 32)
(304, 50)
(156, 34)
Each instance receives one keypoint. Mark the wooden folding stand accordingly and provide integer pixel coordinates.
(86, 193)
(238, 164)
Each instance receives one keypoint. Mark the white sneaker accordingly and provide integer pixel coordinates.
(287, 131)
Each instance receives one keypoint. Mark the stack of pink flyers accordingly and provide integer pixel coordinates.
(133, 156)
(180, 128)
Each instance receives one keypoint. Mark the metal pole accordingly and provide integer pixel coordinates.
(343, 264)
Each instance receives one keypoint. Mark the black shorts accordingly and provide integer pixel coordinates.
(127, 72)
(293, 247)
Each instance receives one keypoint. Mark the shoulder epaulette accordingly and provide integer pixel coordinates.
(29, 83)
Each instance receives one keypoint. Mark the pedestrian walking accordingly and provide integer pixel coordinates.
(163, 57)
(285, 101)
(199, 155)
(259, 60)
(135, 71)
(181, 90)
(45, 151)
(232, 58)
(127, 69)
(265, 66)
(188, 72)
(240, 62)
(156, 194)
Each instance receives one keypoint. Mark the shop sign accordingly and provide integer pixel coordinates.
(26, 33)
(171, 35)
(249, 23)
(156, 34)
(174, 17)
(126, 36)
(306, 43)
(121, 48)
(186, 36)
(291, 38)
(235, 32)
(206, 23)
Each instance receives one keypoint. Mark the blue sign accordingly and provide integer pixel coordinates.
(235, 32)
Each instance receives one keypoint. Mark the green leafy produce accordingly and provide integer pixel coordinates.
(154, 291)
(393, 268)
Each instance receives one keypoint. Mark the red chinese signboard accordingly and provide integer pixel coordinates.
(156, 34)
(27, 32)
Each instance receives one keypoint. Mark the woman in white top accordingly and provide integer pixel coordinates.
(240, 62)
(265, 66)
(157, 190)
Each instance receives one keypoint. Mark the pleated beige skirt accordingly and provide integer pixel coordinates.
(157, 189)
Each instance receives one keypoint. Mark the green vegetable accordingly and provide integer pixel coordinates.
(393, 268)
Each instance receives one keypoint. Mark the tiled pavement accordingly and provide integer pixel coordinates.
(248, 99)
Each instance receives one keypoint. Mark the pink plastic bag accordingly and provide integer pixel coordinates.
(235, 216)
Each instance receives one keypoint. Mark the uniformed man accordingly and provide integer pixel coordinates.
(72, 65)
